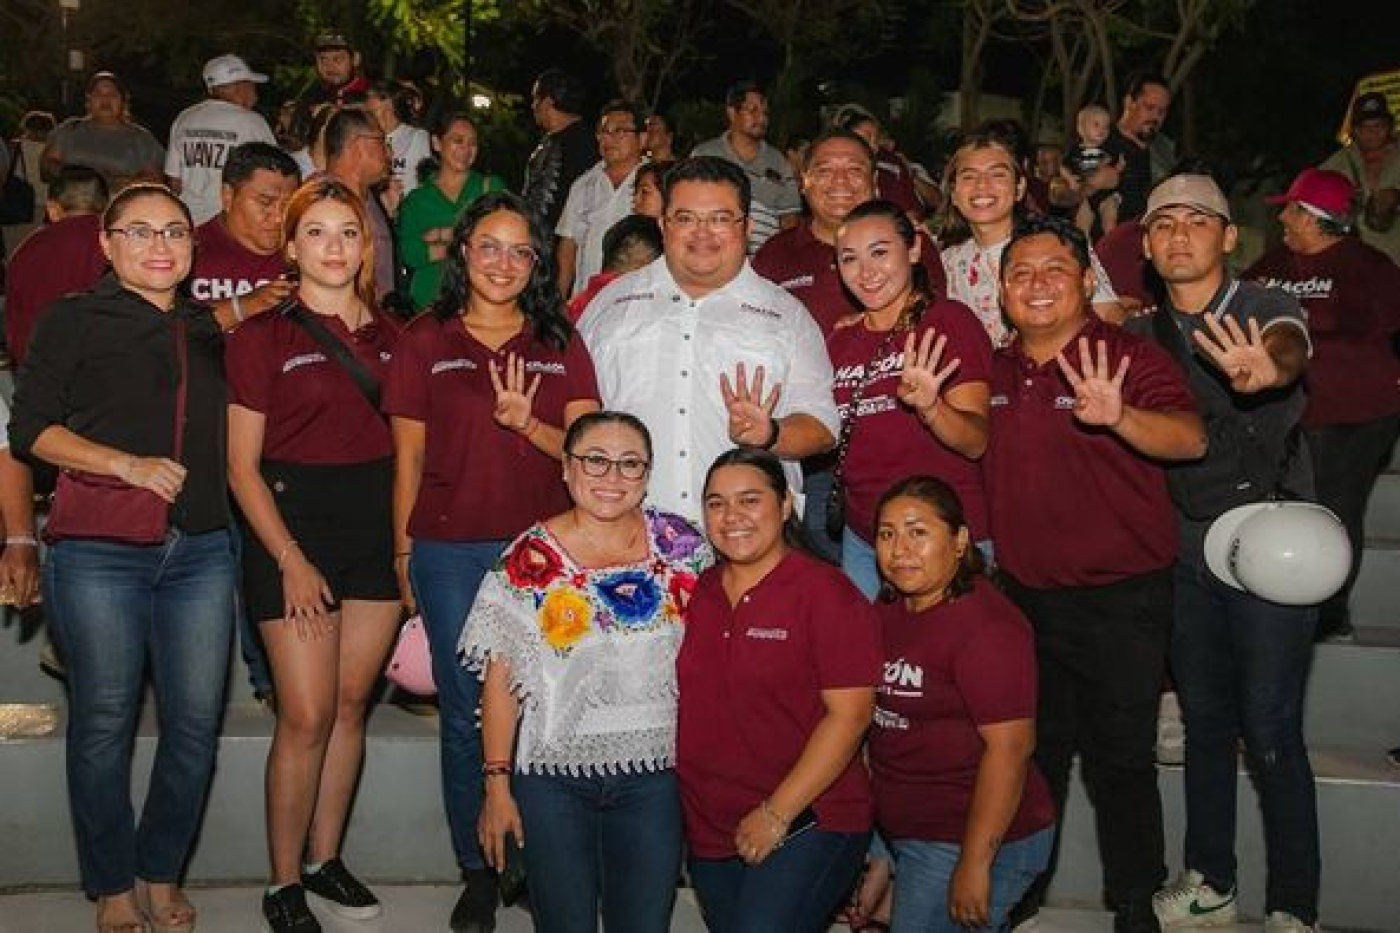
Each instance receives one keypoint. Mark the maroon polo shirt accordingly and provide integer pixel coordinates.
(315, 413)
(806, 267)
(223, 267)
(481, 481)
(1072, 505)
(894, 180)
(890, 442)
(962, 664)
(53, 261)
(750, 681)
(1351, 292)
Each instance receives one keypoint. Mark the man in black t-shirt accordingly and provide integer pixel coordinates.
(1145, 109)
(568, 149)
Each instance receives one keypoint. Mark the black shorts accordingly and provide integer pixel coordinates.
(342, 519)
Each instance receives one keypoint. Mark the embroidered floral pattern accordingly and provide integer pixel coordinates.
(533, 563)
(564, 617)
(676, 538)
(632, 596)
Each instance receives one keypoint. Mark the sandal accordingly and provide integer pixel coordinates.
(106, 924)
(176, 915)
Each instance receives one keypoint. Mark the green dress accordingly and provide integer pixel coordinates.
(426, 208)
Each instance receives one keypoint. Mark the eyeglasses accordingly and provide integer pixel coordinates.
(490, 252)
(617, 130)
(598, 466)
(142, 236)
(716, 222)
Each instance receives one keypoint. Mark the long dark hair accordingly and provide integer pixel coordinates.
(954, 228)
(540, 301)
(772, 469)
(939, 496)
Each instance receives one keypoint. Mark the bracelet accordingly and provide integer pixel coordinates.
(767, 810)
(775, 429)
(398, 554)
(285, 550)
(21, 541)
(238, 315)
(495, 770)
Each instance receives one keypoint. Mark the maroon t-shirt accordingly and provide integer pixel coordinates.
(315, 412)
(962, 664)
(890, 442)
(750, 680)
(894, 180)
(223, 267)
(1120, 252)
(806, 267)
(53, 261)
(1072, 505)
(481, 482)
(1351, 292)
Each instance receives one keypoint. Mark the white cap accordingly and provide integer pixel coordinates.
(229, 69)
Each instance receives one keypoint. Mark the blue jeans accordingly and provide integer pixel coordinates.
(816, 491)
(113, 606)
(1240, 665)
(796, 889)
(925, 868)
(446, 576)
(609, 843)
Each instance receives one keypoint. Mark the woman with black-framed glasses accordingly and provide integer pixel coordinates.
(479, 394)
(577, 633)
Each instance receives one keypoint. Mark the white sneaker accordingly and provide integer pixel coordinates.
(1280, 922)
(1190, 902)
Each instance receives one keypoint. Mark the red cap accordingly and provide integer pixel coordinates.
(1320, 189)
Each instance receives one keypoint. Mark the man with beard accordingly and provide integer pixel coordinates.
(567, 150)
(776, 202)
(1372, 161)
(1145, 109)
(338, 74)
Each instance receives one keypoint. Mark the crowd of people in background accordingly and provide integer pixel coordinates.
(785, 519)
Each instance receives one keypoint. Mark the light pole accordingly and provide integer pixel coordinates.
(73, 57)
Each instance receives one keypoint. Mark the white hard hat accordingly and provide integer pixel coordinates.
(1292, 553)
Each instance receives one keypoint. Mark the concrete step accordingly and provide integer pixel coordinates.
(1375, 598)
(1353, 696)
(1358, 797)
(397, 830)
(1383, 508)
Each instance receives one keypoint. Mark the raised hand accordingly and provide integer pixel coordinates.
(514, 399)
(1241, 356)
(750, 412)
(921, 381)
(1098, 391)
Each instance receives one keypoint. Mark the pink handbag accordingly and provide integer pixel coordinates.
(411, 665)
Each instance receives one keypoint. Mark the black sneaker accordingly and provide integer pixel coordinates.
(286, 912)
(1136, 916)
(343, 893)
(476, 907)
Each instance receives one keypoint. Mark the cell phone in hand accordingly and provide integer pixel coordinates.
(511, 880)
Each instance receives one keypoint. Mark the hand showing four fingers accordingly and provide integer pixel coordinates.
(750, 411)
(1241, 356)
(1098, 390)
(514, 398)
(921, 381)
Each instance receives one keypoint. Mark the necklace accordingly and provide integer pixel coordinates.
(605, 557)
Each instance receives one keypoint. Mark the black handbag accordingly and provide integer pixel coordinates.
(17, 195)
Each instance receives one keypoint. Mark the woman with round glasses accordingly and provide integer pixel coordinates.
(577, 632)
(123, 389)
(479, 394)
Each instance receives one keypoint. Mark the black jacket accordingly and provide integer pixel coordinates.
(102, 363)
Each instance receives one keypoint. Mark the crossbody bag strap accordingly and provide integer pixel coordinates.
(339, 352)
(182, 357)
